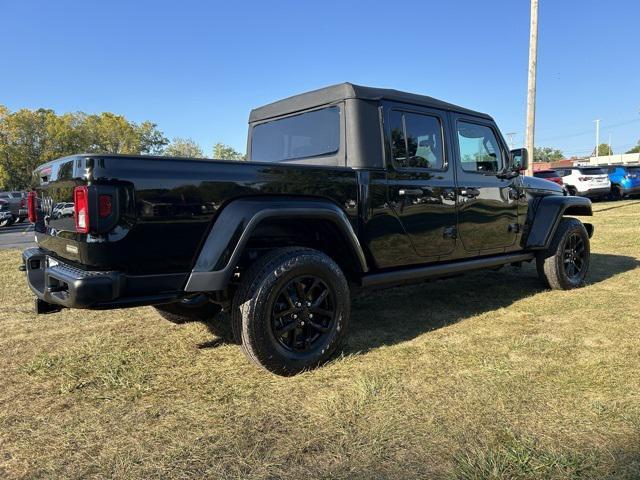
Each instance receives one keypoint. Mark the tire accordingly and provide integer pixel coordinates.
(564, 265)
(572, 191)
(616, 193)
(291, 310)
(183, 312)
(7, 223)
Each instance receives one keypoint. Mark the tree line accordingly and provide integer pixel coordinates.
(29, 138)
(550, 154)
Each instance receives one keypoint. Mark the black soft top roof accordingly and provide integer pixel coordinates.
(342, 91)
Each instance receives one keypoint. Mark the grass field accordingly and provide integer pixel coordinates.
(477, 377)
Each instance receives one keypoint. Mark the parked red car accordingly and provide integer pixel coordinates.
(550, 175)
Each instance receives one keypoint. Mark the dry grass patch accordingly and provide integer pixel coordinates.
(478, 377)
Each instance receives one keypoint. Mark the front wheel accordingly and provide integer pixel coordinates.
(565, 263)
(291, 310)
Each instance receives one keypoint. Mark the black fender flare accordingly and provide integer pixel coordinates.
(233, 226)
(548, 214)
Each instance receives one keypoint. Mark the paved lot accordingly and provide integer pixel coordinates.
(18, 235)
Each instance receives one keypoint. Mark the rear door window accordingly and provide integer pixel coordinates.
(416, 140)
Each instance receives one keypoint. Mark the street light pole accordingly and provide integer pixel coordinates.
(531, 85)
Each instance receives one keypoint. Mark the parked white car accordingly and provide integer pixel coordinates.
(61, 210)
(592, 182)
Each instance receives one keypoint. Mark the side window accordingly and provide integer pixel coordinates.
(416, 140)
(479, 149)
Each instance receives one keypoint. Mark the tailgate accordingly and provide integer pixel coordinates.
(60, 228)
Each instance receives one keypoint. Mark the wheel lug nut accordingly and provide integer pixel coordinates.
(308, 304)
(298, 304)
(295, 316)
(311, 315)
(302, 324)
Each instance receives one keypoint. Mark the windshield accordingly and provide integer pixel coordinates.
(310, 134)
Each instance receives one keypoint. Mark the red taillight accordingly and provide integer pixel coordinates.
(32, 200)
(81, 209)
(104, 205)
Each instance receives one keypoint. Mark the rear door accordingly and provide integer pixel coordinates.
(421, 186)
(487, 204)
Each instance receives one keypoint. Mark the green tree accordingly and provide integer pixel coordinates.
(604, 149)
(547, 154)
(152, 140)
(184, 147)
(225, 152)
(29, 138)
(635, 149)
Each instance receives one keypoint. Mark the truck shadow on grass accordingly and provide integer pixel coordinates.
(393, 316)
(387, 317)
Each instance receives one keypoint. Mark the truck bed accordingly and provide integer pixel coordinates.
(164, 206)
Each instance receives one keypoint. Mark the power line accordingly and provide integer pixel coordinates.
(590, 132)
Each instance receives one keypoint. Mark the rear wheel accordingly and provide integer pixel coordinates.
(291, 310)
(572, 190)
(616, 192)
(565, 263)
(7, 222)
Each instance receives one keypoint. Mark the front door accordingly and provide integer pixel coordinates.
(487, 203)
(421, 186)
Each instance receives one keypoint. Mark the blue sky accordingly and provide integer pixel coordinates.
(197, 68)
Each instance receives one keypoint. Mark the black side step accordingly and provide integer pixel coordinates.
(398, 277)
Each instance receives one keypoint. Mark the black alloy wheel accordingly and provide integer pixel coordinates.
(303, 313)
(574, 258)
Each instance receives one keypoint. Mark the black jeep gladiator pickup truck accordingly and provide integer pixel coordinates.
(345, 187)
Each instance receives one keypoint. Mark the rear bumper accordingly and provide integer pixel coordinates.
(595, 192)
(59, 283)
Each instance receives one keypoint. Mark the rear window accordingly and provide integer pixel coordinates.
(311, 134)
(545, 174)
(593, 171)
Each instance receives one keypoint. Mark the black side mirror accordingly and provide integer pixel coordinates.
(519, 159)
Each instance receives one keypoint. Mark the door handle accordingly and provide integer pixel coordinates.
(410, 191)
(469, 192)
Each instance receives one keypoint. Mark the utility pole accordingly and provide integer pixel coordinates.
(610, 148)
(510, 142)
(531, 85)
(597, 136)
